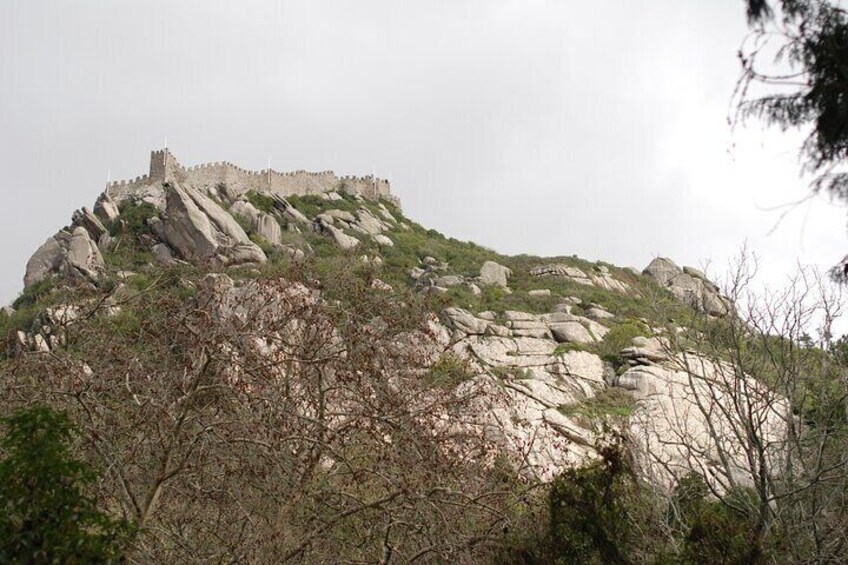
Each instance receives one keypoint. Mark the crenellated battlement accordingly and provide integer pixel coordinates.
(164, 167)
(141, 179)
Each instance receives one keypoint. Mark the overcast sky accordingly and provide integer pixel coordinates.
(547, 127)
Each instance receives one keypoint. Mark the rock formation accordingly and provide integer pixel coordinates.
(198, 229)
(691, 412)
(535, 360)
(689, 285)
(493, 273)
(74, 254)
(600, 276)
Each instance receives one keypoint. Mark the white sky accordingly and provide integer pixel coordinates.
(547, 127)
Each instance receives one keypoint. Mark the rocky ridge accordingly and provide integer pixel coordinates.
(534, 367)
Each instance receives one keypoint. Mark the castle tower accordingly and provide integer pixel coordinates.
(163, 166)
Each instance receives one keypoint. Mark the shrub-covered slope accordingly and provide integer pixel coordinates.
(320, 378)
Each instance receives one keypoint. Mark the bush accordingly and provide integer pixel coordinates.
(608, 404)
(321, 246)
(45, 517)
(511, 373)
(267, 248)
(449, 371)
(589, 514)
(133, 218)
(600, 513)
(134, 236)
(311, 205)
(718, 531)
(620, 337)
(33, 293)
(567, 347)
(261, 202)
(243, 222)
(29, 305)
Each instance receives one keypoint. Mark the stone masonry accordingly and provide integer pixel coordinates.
(164, 167)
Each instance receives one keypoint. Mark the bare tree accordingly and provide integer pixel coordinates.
(268, 422)
(755, 402)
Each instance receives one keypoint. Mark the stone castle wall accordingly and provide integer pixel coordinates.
(165, 167)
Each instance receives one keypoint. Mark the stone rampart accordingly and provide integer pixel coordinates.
(207, 177)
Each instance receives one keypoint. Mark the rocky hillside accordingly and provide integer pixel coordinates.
(352, 346)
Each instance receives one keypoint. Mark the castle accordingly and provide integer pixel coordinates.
(164, 167)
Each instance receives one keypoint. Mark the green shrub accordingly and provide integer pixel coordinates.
(448, 372)
(264, 245)
(589, 514)
(511, 373)
(564, 348)
(34, 293)
(311, 205)
(243, 222)
(261, 202)
(23, 319)
(322, 246)
(133, 236)
(127, 257)
(45, 515)
(619, 337)
(126, 323)
(5, 323)
(610, 403)
(28, 307)
(133, 219)
(716, 531)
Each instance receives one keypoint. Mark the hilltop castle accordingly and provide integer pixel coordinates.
(164, 167)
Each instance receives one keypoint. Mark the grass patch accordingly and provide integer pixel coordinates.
(34, 293)
(564, 348)
(133, 219)
(311, 205)
(619, 337)
(646, 299)
(23, 319)
(511, 373)
(610, 403)
(448, 372)
(133, 236)
(412, 245)
(261, 202)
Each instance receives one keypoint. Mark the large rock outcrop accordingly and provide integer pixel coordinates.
(689, 285)
(527, 370)
(494, 274)
(92, 224)
(520, 386)
(106, 209)
(262, 224)
(600, 276)
(334, 223)
(697, 414)
(46, 260)
(200, 230)
(683, 417)
(68, 254)
(559, 327)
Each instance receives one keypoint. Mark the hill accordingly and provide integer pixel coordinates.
(297, 371)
